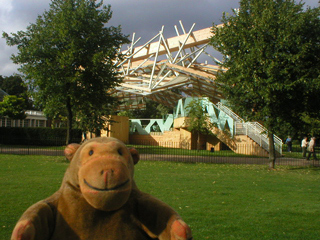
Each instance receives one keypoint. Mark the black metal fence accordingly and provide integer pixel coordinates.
(171, 152)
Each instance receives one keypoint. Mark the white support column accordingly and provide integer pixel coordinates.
(130, 51)
(184, 32)
(144, 61)
(142, 47)
(184, 42)
(156, 58)
(196, 57)
(169, 55)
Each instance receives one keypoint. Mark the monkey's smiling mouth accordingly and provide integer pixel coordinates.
(106, 189)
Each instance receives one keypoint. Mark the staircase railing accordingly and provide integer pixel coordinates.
(254, 130)
(229, 112)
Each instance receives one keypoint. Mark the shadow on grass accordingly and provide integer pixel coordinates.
(312, 168)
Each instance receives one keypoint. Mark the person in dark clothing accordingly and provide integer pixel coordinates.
(289, 143)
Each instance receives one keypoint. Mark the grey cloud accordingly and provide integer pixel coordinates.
(145, 17)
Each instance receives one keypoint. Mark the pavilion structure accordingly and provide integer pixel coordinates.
(167, 70)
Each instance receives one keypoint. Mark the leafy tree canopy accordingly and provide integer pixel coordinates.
(1, 80)
(13, 107)
(13, 85)
(153, 110)
(67, 59)
(272, 52)
(198, 120)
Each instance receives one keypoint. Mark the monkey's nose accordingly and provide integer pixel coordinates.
(107, 174)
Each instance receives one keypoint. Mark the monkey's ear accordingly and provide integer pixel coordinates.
(135, 155)
(70, 150)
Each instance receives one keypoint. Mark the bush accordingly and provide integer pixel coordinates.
(37, 136)
(295, 142)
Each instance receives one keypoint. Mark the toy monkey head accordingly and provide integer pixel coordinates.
(102, 170)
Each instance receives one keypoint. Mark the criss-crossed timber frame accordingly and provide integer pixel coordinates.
(166, 70)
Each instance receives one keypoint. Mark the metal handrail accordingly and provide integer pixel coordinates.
(263, 133)
(254, 130)
(229, 112)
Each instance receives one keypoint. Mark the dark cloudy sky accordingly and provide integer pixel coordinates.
(144, 17)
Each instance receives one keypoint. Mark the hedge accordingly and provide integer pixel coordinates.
(37, 136)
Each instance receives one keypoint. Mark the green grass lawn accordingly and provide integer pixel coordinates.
(186, 152)
(147, 149)
(218, 201)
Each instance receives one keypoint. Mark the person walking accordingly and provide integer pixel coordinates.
(312, 150)
(289, 143)
(304, 145)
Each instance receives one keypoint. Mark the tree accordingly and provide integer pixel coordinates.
(1, 80)
(93, 120)
(67, 59)
(153, 110)
(13, 85)
(198, 120)
(13, 107)
(271, 52)
(312, 125)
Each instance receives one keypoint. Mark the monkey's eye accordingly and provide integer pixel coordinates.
(120, 152)
(90, 152)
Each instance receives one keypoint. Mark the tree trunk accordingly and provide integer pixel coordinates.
(198, 142)
(98, 133)
(272, 153)
(69, 122)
